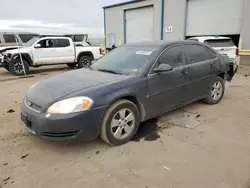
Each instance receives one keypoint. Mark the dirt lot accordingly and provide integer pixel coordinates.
(197, 146)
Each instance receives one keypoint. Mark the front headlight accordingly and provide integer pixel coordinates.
(71, 105)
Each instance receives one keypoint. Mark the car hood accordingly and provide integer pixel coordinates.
(55, 88)
(20, 50)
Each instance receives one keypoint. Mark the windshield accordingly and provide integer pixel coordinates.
(31, 42)
(125, 60)
(217, 43)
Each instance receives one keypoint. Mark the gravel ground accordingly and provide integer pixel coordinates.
(196, 146)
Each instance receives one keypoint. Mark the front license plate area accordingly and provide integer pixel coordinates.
(27, 123)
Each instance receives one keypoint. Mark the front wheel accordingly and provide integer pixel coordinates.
(84, 62)
(120, 123)
(16, 67)
(216, 91)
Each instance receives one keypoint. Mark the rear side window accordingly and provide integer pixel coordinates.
(9, 38)
(60, 43)
(78, 38)
(26, 37)
(173, 56)
(219, 43)
(196, 53)
(212, 53)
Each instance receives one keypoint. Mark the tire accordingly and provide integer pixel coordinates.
(84, 62)
(116, 122)
(72, 65)
(216, 91)
(16, 67)
(7, 68)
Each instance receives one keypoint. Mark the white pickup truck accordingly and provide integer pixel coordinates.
(41, 51)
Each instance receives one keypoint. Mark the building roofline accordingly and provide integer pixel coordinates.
(123, 3)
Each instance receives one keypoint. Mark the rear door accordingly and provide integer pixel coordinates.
(169, 89)
(202, 68)
(64, 52)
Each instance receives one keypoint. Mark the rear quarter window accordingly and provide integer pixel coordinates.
(216, 43)
(196, 53)
(211, 52)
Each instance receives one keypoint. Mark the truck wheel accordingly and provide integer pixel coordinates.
(16, 67)
(216, 91)
(7, 68)
(72, 65)
(120, 122)
(84, 62)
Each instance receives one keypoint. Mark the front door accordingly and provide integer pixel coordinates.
(168, 90)
(45, 54)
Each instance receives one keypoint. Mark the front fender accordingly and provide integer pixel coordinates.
(25, 56)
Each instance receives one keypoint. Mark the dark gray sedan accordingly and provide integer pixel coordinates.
(129, 85)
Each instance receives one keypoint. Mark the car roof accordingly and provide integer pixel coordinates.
(162, 43)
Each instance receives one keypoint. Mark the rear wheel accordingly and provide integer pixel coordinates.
(120, 123)
(16, 67)
(84, 62)
(72, 65)
(216, 91)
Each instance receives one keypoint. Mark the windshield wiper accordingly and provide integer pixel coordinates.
(109, 71)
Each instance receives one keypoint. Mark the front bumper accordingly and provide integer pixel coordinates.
(4, 61)
(81, 126)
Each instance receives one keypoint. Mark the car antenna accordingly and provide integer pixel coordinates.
(20, 55)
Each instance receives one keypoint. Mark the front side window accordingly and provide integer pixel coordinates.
(196, 53)
(9, 38)
(173, 56)
(46, 43)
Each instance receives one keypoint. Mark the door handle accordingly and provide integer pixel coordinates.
(184, 72)
(212, 65)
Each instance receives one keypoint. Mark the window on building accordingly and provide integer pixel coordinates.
(196, 53)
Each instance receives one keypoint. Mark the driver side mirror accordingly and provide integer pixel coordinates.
(37, 46)
(163, 68)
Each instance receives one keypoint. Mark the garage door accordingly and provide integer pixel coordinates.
(139, 24)
(209, 17)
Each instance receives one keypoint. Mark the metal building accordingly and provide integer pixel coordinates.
(146, 20)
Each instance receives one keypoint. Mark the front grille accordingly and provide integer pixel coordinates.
(33, 106)
(71, 134)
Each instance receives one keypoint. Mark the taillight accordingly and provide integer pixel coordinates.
(237, 51)
(100, 50)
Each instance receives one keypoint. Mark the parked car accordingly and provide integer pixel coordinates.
(41, 51)
(224, 45)
(129, 85)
